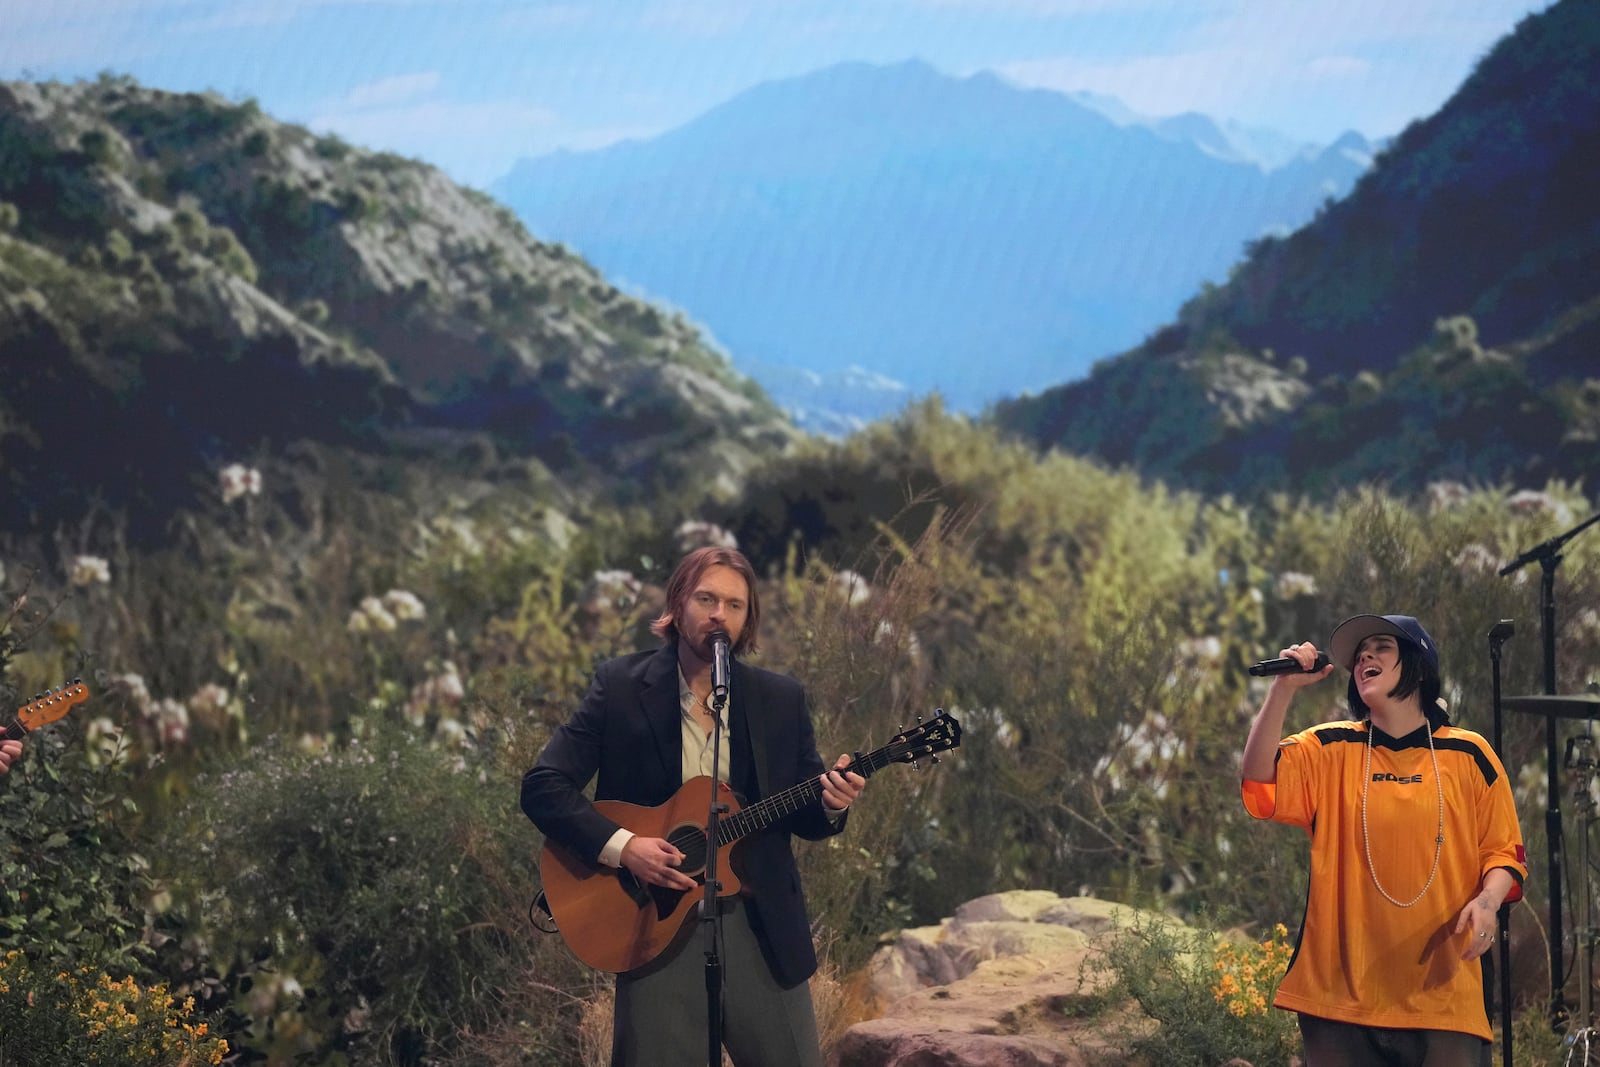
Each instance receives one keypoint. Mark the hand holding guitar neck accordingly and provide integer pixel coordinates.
(45, 708)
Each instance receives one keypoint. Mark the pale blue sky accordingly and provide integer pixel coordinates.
(471, 85)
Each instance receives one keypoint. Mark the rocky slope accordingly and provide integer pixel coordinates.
(184, 280)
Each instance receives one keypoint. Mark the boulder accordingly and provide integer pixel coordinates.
(999, 984)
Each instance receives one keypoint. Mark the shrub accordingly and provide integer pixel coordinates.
(1208, 996)
(224, 247)
(72, 884)
(50, 1017)
(369, 879)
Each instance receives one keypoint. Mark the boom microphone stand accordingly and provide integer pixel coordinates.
(1499, 634)
(1548, 555)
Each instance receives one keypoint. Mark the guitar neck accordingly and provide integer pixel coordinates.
(13, 731)
(765, 812)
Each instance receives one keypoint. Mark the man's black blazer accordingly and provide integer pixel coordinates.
(628, 731)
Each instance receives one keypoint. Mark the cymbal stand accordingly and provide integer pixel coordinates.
(1548, 556)
(1581, 761)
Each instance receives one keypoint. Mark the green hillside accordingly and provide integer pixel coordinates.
(1440, 323)
(185, 283)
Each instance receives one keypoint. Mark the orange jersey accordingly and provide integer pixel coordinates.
(1362, 959)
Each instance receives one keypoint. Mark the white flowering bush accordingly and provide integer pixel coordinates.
(86, 570)
(440, 693)
(610, 591)
(404, 605)
(1293, 584)
(1539, 504)
(854, 588)
(385, 614)
(236, 481)
(697, 533)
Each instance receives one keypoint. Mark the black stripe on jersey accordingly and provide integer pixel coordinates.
(1337, 734)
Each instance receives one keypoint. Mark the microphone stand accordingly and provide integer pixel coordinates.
(1499, 634)
(1548, 554)
(710, 912)
(1580, 758)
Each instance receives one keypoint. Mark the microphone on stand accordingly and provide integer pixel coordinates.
(719, 668)
(1287, 665)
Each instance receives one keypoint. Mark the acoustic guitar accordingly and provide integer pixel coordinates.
(45, 708)
(612, 922)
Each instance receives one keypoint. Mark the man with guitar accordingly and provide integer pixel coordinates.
(646, 729)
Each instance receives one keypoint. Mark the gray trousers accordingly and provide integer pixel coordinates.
(1329, 1043)
(661, 1020)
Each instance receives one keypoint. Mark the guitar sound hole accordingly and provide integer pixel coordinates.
(691, 841)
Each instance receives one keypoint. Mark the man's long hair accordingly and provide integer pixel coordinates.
(1417, 675)
(683, 581)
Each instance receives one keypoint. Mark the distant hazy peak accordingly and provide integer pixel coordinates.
(1223, 138)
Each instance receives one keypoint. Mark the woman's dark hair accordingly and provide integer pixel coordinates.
(1417, 675)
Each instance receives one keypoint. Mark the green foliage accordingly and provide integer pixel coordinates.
(118, 248)
(223, 247)
(98, 146)
(313, 311)
(332, 146)
(371, 871)
(73, 883)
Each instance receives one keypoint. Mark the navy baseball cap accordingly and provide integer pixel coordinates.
(1348, 635)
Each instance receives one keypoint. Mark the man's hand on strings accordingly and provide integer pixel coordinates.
(655, 862)
(840, 787)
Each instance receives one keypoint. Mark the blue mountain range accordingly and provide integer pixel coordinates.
(957, 235)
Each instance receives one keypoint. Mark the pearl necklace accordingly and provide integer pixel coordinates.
(1366, 836)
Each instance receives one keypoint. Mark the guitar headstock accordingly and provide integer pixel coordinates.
(939, 734)
(47, 708)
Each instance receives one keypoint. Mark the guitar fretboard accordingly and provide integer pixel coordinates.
(769, 810)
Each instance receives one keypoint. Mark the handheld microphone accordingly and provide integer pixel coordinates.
(720, 670)
(1287, 665)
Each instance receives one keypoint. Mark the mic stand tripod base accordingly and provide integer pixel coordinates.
(1581, 1037)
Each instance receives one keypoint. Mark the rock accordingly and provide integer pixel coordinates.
(999, 984)
(1018, 923)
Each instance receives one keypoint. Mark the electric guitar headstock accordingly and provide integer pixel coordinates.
(45, 708)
